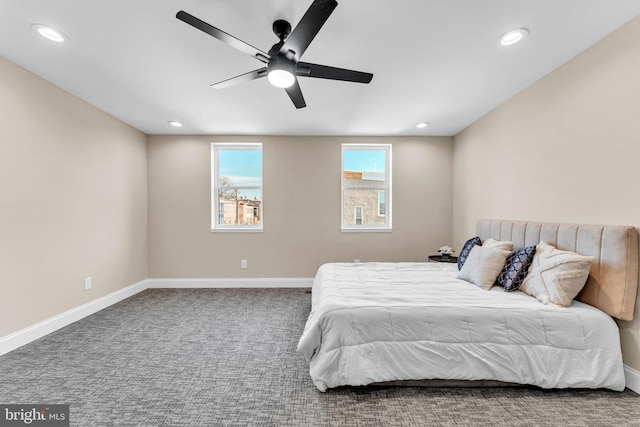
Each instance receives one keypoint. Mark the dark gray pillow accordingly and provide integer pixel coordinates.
(464, 253)
(516, 268)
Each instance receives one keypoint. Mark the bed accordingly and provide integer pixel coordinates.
(405, 322)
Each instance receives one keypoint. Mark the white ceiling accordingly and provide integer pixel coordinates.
(433, 60)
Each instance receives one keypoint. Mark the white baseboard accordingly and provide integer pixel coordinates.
(25, 336)
(288, 282)
(633, 378)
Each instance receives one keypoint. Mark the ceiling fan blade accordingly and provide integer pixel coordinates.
(223, 37)
(313, 19)
(307, 69)
(295, 93)
(246, 77)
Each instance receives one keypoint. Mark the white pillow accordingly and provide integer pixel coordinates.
(501, 244)
(555, 276)
(483, 266)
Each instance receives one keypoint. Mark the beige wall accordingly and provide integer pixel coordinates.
(564, 150)
(301, 208)
(72, 201)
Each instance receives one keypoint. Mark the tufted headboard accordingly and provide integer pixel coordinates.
(613, 280)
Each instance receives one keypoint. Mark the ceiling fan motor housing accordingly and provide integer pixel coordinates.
(282, 29)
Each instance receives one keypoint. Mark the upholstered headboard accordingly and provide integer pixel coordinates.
(613, 280)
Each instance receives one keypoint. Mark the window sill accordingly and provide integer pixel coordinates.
(237, 230)
(366, 230)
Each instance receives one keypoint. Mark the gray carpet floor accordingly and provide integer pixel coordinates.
(223, 357)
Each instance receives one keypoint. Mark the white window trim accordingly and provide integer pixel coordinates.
(215, 227)
(369, 228)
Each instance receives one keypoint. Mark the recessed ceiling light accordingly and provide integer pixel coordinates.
(513, 36)
(49, 33)
(422, 125)
(175, 124)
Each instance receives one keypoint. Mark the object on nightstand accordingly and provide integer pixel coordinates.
(445, 254)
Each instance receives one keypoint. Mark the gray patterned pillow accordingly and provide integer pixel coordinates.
(516, 268)
(464, 253)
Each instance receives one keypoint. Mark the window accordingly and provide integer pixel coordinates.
(366, 187)
(357, 215)
(236, 178)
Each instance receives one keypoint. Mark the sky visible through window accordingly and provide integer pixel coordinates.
(363, 160)
(242, 167)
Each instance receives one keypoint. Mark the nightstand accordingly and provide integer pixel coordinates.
(438, 258)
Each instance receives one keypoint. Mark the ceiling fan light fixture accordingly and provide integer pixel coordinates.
(281, 78)
(513, 36)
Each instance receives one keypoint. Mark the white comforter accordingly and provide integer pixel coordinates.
(374, 322)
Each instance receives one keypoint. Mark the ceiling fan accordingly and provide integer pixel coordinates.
(282, 62)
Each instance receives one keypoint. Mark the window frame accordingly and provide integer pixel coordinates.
(215, 185)
(386, 187)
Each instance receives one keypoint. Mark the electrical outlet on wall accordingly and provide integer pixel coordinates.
(88, 283)
(243, 263)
